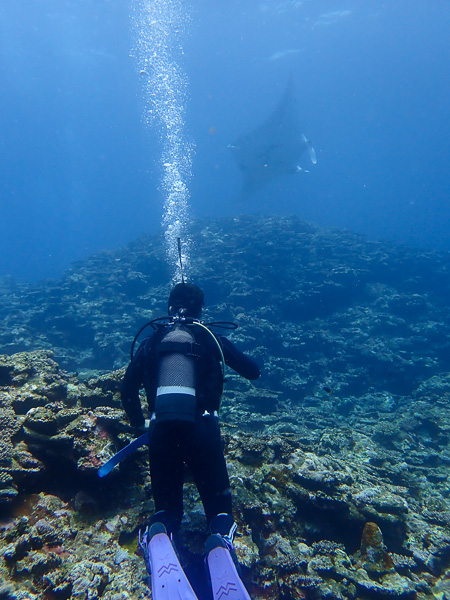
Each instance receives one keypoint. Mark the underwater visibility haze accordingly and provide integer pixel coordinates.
(81, 170)
(292, 156)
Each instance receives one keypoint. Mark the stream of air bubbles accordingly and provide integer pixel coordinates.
(160, 28)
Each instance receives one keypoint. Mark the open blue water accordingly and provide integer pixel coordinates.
(80, 171)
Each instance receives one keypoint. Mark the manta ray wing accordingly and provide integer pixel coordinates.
(274, 148)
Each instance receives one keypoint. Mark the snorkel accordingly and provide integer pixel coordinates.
(180, 259)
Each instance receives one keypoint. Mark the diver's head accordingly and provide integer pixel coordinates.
(187, 296)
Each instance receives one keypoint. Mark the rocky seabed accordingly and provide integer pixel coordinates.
(331, 502)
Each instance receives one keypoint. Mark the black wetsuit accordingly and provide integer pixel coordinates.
(175, 443)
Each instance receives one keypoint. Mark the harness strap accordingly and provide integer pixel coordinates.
(186, 348)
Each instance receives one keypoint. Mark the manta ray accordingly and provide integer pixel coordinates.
(274, 148)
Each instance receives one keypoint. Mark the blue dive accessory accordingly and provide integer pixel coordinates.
(117, 458)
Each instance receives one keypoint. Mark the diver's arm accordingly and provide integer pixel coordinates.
(238, 361)
(129, 394)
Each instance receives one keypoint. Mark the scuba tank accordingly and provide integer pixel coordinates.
(176, 354)
(176, 377)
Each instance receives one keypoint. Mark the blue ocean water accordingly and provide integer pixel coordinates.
(80, 171)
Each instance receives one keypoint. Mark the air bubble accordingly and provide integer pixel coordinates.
(160, 28)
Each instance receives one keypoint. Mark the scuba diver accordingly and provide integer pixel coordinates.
(181, 366)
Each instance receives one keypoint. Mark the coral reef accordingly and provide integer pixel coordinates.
(338, 458)
(323, 511)
(320, 308)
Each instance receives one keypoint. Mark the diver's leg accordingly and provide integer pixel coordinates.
(208, 467)
(166, 472)
(168, 580)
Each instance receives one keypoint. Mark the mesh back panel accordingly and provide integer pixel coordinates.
(175, 368)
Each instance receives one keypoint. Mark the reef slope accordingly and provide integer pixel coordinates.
(339, 456)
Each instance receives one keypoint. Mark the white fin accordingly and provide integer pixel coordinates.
(311, 151)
